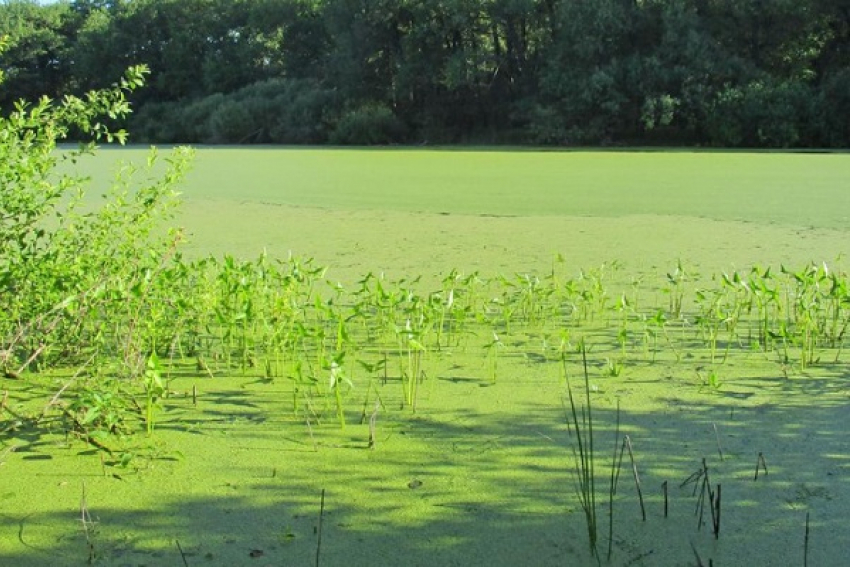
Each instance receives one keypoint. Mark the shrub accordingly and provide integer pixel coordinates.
(547, 127)
(196, 117)
(287, 111)
(278, 111)
(233, 122)
(368, 125)
(761, 114)
(307, 115)
(158, 121)
(75, 280)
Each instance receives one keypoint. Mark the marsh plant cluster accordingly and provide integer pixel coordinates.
(343, 349)
(102, 300)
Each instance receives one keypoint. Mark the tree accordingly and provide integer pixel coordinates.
(527, 71)
(585, 81)
(36, 63)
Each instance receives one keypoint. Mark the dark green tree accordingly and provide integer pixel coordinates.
(36, 62)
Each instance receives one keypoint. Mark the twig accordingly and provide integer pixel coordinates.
(664, 488)
(760, 463)
(613, 487)
(806, 543)
(35, 353)
(50, 327)
(202, 365)
(700, 508)
(24, 329)
(319, 529)
(182, 555)
(627, 442)
(705, 488)
(696, 555)
(590, 475)
(717, 514)
(717, 437)
(84, 510)
(310, 431)
(694, 477)
(55, 399)
(88, 524)
(373, 419)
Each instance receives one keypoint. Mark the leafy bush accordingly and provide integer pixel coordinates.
(276, 111)
(157, 121)
(546, 127)
(307, 114)
(233, 122)
(195, 118)
(369, 125)
(286, 111)
(81, 286)
(761, 114)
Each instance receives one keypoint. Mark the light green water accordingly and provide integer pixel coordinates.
(809, 190)
(481, 474)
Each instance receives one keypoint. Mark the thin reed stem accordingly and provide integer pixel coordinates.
(717, 513)
(628, 442)
(319, 529)
(613, 487)
(584, 455)
(806, 543)
(717, 438)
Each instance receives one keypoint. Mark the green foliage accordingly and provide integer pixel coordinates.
(82, 282)
(762, 115)
(658, 111)
(51, 255)
(527, 71)
(546, 126)
(368, 125)
(98, 409)
(280, 111)
(155, 390)
(232, 122)
(36, 59)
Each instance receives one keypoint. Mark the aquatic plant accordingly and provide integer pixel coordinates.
(155, 390)
(493, 348)
(583, 451)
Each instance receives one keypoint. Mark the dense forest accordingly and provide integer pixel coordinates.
(738, 73)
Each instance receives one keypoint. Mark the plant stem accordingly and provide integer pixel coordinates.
(182, 555)
(760, 463)
(613, 486)
(806, 543)
(716, 505)
(628, 444)
(717, 438)
(584, 457)
(319, 529)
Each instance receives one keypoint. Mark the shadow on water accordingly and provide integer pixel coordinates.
(466, 483)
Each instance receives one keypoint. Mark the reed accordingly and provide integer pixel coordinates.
(583, 453)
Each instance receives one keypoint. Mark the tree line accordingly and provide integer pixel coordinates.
(736, 73)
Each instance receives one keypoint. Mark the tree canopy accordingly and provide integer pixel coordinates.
(752, 73)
